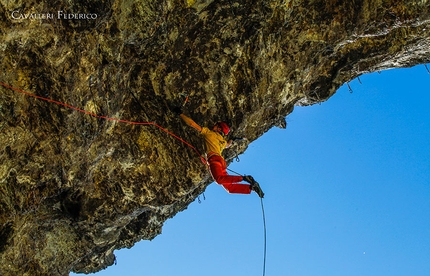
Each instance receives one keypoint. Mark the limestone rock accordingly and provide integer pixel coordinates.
(73, 187)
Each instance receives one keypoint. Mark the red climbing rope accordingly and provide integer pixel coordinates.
(104, 117)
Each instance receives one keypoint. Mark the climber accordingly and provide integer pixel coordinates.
(215, 143)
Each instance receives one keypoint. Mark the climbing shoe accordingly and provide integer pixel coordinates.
(254, 185)
(248, 179)
(256, 188)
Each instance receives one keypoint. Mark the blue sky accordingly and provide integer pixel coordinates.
(347, 189)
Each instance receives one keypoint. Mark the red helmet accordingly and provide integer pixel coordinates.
(225, 128)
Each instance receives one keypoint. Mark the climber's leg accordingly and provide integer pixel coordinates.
(231, 183)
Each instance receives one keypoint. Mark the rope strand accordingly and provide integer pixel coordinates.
(265, 241)
(264, 228)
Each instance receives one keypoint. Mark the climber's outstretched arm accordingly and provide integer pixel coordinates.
(190, 122)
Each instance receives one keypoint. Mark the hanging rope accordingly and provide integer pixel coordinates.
(104, 117)
(265, 241)
(264, 228)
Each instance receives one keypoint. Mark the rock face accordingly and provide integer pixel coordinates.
(74, 187)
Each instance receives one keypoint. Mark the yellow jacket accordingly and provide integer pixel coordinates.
(214, 142)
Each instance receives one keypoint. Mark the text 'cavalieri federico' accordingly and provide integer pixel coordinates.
(17, 15)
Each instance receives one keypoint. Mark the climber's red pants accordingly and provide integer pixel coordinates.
(218, 168)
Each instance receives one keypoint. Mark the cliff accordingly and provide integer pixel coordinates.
(75, 186)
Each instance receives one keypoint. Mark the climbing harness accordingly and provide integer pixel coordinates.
(104, 117)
